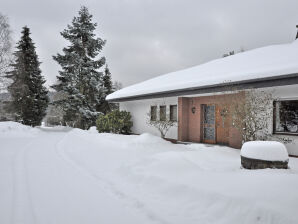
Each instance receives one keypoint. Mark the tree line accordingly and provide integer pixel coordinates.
(83, 82)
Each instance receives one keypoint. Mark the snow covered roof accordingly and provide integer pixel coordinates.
(265, 62)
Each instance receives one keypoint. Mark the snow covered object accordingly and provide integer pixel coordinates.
(29, 95)
(80, 78)
(264, 154)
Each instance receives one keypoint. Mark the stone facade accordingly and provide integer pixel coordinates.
(249, 163)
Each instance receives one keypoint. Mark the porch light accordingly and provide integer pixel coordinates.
(193, 110)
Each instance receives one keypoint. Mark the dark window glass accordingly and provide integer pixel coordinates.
(173, 112)
(209, 133)
(153, 113)
(209, 114)
(162, 113)
(286, 116)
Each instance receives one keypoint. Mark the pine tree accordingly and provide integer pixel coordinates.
(30, 98)
(80, 79)
(107, 81)
(108, 89)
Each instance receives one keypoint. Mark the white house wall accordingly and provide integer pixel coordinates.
(140, 112)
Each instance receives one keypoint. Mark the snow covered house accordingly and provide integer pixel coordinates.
(192, 96)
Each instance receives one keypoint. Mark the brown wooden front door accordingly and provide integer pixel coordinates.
(208, 124)
(223, 123)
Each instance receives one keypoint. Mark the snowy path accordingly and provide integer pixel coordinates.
(79, 177)
(47, 189)
(22, 208)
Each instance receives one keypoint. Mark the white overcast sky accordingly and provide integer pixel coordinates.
(147, 38)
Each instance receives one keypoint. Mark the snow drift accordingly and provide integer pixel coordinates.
(80, 176)
(14, 129)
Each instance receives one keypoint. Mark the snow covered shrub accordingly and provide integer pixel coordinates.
(251, 115)
(251, 112)
(162, 126)
(116, 121)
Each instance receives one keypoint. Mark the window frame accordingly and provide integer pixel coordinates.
(176, 118)
(165, 115)
(152, 113)
(274, 119)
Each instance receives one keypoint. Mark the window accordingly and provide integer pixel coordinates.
(153, 113)
(162, 113)
(286, 117)
(173, 112)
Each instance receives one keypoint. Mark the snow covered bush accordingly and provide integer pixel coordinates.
(118, 122)
(162, 126)
(250, 112)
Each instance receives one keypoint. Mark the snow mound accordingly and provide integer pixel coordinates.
(93, 130)
(58, 128)
(10, 128)
(265, 150)
(147, 138)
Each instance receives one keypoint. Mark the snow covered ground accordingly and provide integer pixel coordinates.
(70, 176)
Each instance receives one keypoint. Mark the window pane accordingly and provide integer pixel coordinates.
(209, 133)
(286, 116)
(153, 113)
(162, 113)
(209, 115)
(173, 112)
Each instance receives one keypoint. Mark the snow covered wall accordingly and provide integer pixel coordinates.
(140, 109)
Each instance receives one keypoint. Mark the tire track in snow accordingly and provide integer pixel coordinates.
(22, 206)
(108, 186)
(22, 210)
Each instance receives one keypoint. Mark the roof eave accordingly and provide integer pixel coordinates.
(281, 80)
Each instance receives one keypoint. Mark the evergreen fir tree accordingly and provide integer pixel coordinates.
(107, 81)
(108, 89)
(30, 98)
(80, 79)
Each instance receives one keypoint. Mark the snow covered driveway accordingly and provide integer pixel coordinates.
(82, 177)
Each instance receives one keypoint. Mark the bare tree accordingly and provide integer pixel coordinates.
(163, 125)
(5, 50)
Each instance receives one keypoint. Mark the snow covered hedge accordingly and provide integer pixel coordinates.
(264, 154)
(118, 122)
